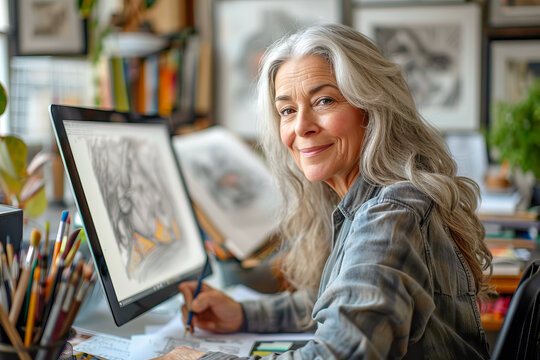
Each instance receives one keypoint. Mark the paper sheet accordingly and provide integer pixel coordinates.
(105, 346)
(148, 346)
(171, 336)
(160, 340)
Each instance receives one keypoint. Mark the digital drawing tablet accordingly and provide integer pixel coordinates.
(136, 211)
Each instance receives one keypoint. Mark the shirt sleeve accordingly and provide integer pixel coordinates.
(285, 312)
(380, 295)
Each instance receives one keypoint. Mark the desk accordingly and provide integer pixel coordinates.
(95, 316)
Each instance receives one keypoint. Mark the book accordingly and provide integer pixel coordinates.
(232, 188)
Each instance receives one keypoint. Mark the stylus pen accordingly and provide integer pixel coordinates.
(189, 325)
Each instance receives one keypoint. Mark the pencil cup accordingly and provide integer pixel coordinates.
(61, 350)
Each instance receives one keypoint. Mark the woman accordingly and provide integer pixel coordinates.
(377, 224)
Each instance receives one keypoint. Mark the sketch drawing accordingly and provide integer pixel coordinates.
(240, 44)
(138, 202)
(429, 57)
(438, 50)
(231, 185)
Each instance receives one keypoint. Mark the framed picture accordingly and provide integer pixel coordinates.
(231, 186)
(243, 29)
(514, 64)
(49, 27)
(514, 12)
(438, 48)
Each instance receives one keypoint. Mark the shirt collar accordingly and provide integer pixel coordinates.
(360, 192)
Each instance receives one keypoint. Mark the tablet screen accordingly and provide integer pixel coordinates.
(133, 201)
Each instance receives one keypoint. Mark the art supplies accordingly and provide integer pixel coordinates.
(31, 334)
(60, 235)
(22, 284)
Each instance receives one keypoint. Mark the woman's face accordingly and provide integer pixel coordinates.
(322, 131)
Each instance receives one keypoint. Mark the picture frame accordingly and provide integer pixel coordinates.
(513, 64)
(438, 48)
(243, 29)
(51, 27)
(232, 189)
(513, 13)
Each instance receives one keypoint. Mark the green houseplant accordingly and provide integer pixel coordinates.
(20, 185)
(515, 133)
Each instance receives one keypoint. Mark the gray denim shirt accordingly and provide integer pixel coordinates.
(394, 286)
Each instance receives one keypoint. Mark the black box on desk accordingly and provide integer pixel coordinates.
(11, 223)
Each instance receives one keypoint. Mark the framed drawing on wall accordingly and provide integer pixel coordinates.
(514, 12)
(514, 64)
(243, 29)
(49, 27)
(438, 48)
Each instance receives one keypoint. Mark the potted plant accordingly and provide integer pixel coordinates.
(514, 134)
(20, 185)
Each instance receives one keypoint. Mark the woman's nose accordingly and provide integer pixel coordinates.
(306, 123)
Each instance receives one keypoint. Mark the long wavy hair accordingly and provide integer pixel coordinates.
(398, 146)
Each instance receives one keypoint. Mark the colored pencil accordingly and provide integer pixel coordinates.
(68, 300)
(57, 276)
(20, 291)
(31, 316)
(78, 299)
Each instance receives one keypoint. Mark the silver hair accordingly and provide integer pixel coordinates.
(398, 146)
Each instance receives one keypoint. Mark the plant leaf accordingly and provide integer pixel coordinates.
(13, 154)
(36, 204)
(3, 99)
(14, 185)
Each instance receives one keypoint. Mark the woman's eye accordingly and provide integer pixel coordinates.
(325, 101)
(286, 111)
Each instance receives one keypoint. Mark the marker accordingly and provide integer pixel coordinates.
(18, 298)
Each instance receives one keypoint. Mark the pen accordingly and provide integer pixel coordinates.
(189, 325)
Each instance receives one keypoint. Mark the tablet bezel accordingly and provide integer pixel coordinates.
(121, 314)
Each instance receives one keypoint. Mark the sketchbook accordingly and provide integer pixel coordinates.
(232, 189)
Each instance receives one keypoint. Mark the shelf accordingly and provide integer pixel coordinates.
(504, 284)
(490, 322)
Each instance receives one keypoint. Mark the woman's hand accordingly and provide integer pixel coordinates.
(181, 353)
(212, 309)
